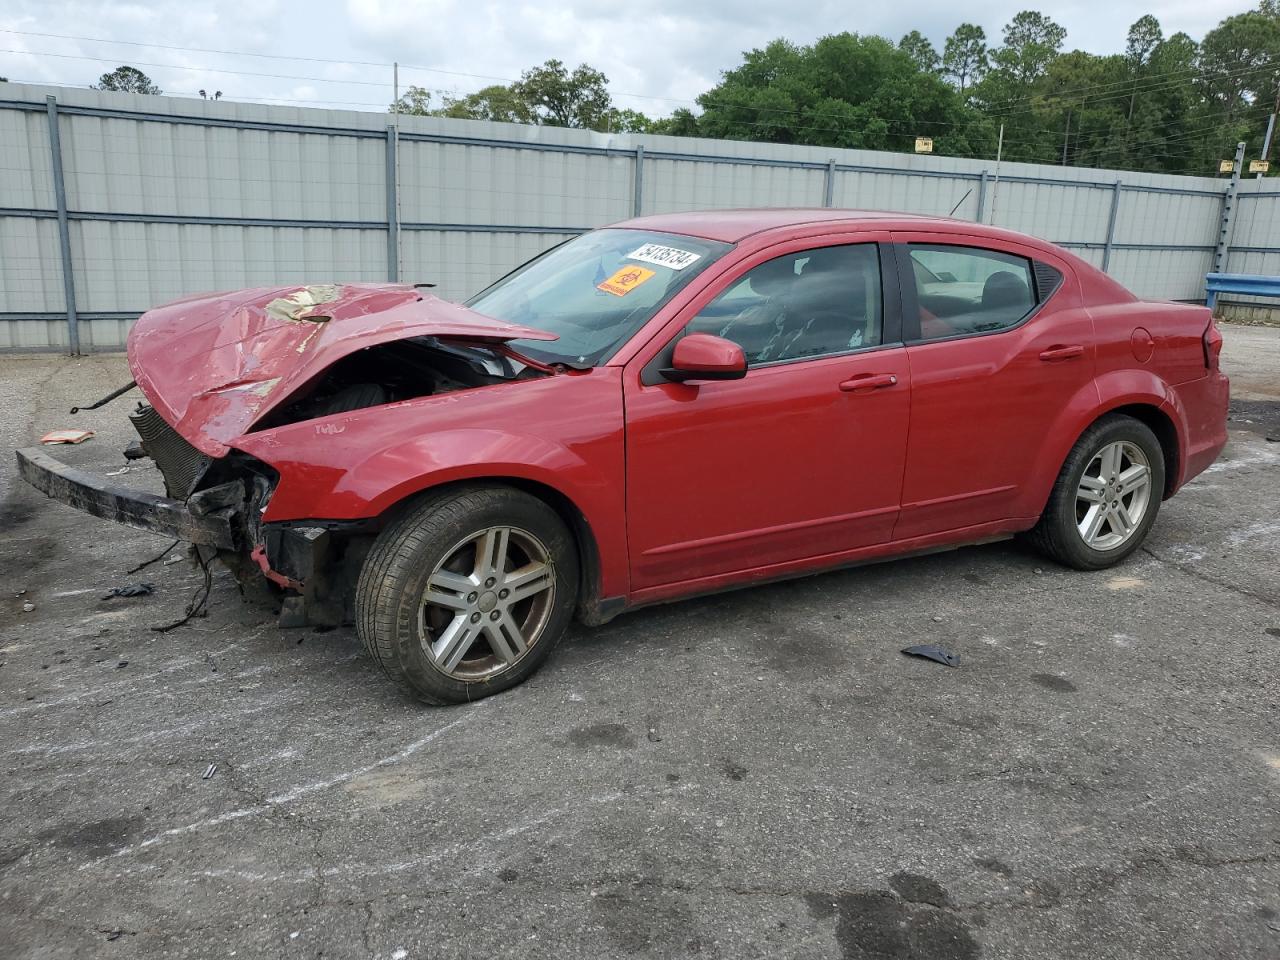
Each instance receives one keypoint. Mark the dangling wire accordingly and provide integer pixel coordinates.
(198, 607)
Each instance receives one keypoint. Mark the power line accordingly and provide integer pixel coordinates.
(912, 122)
(167, 46)
(196, 69)
(815, 120)
(1134, 88)
(1151, 81)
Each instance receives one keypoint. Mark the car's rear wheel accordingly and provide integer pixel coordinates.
(467, 593)
(1106, 498)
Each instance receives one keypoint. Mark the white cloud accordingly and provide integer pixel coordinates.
(659, 49)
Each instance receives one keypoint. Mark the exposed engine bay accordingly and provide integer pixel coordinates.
(310, 569)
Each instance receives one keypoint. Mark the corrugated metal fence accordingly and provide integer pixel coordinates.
(112, 203)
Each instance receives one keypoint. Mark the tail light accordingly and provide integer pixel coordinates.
(1212, 341)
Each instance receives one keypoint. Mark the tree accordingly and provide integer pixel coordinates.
(549, 95)
(964, 56)
(1241, 62)
(917, 46)
(496, 102)
(559, 98)
(127, 80)
(682, 123)
(1031, 41)
(1144, 36)
(414, 101)
(626, 121)
(843, 90)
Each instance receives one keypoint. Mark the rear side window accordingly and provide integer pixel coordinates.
(966, 290)
(812, 303)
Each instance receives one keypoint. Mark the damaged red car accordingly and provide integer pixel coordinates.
(670, 406)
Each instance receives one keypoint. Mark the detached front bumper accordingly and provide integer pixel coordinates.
(132, 507)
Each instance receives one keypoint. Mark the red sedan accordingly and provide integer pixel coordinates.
(670, 406)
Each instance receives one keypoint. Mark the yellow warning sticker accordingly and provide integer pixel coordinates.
(625, 280)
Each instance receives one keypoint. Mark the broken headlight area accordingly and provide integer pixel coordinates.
(306, 569)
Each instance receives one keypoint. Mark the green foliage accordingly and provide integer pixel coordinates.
(1165, 104)
(1031, 42)
(549, 95)
(920, 50)
(964, 57)
(415, 101)
(844, 90)
(559, 98)
(127, 80)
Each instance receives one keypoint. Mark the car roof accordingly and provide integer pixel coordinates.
(731, 226)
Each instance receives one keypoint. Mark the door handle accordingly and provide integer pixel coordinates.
(869, 381)
(1062, 353)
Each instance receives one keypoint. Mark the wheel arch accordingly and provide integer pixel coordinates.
(1162, 425)
(593, 608)
(1144, 397)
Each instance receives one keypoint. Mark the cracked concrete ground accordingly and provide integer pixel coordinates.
(758, 774)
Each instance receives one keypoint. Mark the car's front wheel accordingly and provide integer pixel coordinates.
(1107, 496)
(466, 594)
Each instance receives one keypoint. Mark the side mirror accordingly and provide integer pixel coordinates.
(700, 356)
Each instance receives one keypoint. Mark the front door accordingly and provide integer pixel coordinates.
(803, 457)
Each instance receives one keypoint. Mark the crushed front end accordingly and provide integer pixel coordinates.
(216, 504)
(217, 368)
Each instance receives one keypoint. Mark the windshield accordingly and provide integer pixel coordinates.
(595, 291)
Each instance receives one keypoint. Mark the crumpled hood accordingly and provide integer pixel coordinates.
(214, 365)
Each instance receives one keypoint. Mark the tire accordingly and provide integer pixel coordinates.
(1059, 533)
(460, 642)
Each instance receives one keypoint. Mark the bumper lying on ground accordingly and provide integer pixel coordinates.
(132, 507)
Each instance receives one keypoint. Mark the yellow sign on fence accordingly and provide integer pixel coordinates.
(1259, 166)
(924, 144)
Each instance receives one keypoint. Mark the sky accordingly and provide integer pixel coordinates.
(658, 55)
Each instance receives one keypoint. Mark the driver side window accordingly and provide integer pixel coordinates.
(806, 304)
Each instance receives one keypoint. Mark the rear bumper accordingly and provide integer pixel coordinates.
(134, 508)
(1204, 404)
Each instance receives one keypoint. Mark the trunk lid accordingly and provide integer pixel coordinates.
(214, 365)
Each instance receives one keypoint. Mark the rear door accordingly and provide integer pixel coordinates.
(997, 343)
(800, 459)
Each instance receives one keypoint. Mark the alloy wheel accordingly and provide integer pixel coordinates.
(487, 603)
(1113, 496)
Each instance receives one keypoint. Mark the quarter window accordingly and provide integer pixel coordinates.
(963, 290)
(807, 304)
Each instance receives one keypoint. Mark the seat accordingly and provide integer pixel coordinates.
(1005, 291)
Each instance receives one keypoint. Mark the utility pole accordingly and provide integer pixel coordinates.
(996, 184)
(1066, 136)
(1271, 127)
(395, 84)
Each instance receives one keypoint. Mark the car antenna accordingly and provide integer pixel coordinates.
(960, 201)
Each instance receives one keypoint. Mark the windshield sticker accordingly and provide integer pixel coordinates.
(625, 280)
(671, 257)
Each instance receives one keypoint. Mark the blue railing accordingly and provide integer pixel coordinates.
(1243, 283)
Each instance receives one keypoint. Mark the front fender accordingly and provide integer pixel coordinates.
(564, 433)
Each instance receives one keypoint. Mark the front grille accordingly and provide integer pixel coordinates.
(181, 464)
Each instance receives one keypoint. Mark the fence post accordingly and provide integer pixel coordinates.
(1111, 226)
(1228, 210)
(829, 184)
(637, 196)
(64, 233)
(393, 225)
(982, 198)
